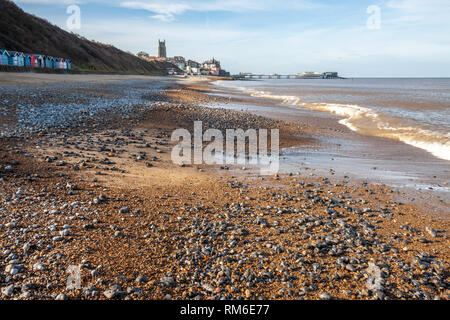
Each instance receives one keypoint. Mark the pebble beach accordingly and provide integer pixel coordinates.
(86, 180)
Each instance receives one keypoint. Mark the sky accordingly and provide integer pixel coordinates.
(357, 38)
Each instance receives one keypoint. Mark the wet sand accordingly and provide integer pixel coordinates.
(103, 195)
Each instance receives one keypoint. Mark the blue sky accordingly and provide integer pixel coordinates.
(283, 36)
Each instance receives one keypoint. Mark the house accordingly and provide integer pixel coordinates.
(212, 66)
(143, 55)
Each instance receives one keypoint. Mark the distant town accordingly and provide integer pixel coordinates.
(186, 66)
(212, 68)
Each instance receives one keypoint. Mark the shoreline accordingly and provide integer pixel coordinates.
(103, 194)
(347, 153)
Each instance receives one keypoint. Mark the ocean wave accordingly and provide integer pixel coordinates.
(372, 122)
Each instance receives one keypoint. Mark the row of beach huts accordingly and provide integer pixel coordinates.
(20, 59)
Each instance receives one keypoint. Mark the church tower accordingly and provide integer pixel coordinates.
(162, 53)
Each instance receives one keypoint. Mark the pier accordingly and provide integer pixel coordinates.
(325, 75)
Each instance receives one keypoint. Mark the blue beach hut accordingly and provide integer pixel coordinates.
(69, 64)
(27, 60)
(16, 58)
(48, 62)
(10, 59)
(5, 57)
(20, 59)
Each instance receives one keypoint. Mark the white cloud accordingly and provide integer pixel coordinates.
(167, 10)
(430, 12)
(48, 1)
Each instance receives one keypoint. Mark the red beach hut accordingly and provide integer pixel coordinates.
(33, 61)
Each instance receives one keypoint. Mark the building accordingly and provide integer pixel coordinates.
(212, 67)
(180, 62)
(330, 75)
(162, 52)
(193, 64)
(143, 55)
(310, 75)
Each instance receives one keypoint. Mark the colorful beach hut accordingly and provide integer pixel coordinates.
(5, 58)
(18, 59)
(69, 64)
(59, 63)
(27, 60)
(10, 58)
(46, 62)
(32, 61)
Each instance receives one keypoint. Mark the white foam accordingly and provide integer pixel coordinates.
(370, 122)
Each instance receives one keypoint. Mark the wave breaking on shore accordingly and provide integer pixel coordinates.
(372, 122)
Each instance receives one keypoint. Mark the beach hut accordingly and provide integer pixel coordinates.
(69, 64)
(48, 62)
(59, 63)
(19, 59)
(64, 64)
(54, 63)
(1, 56)
(38, 61)
(13, 61)
(33, 61)
(5, 57)
(27, 60)
(10, 58)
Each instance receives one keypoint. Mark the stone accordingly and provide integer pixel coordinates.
(325, 296)
(167, 281)
(38, 266)
(140, 279)
(8, 291)
(124, 210)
